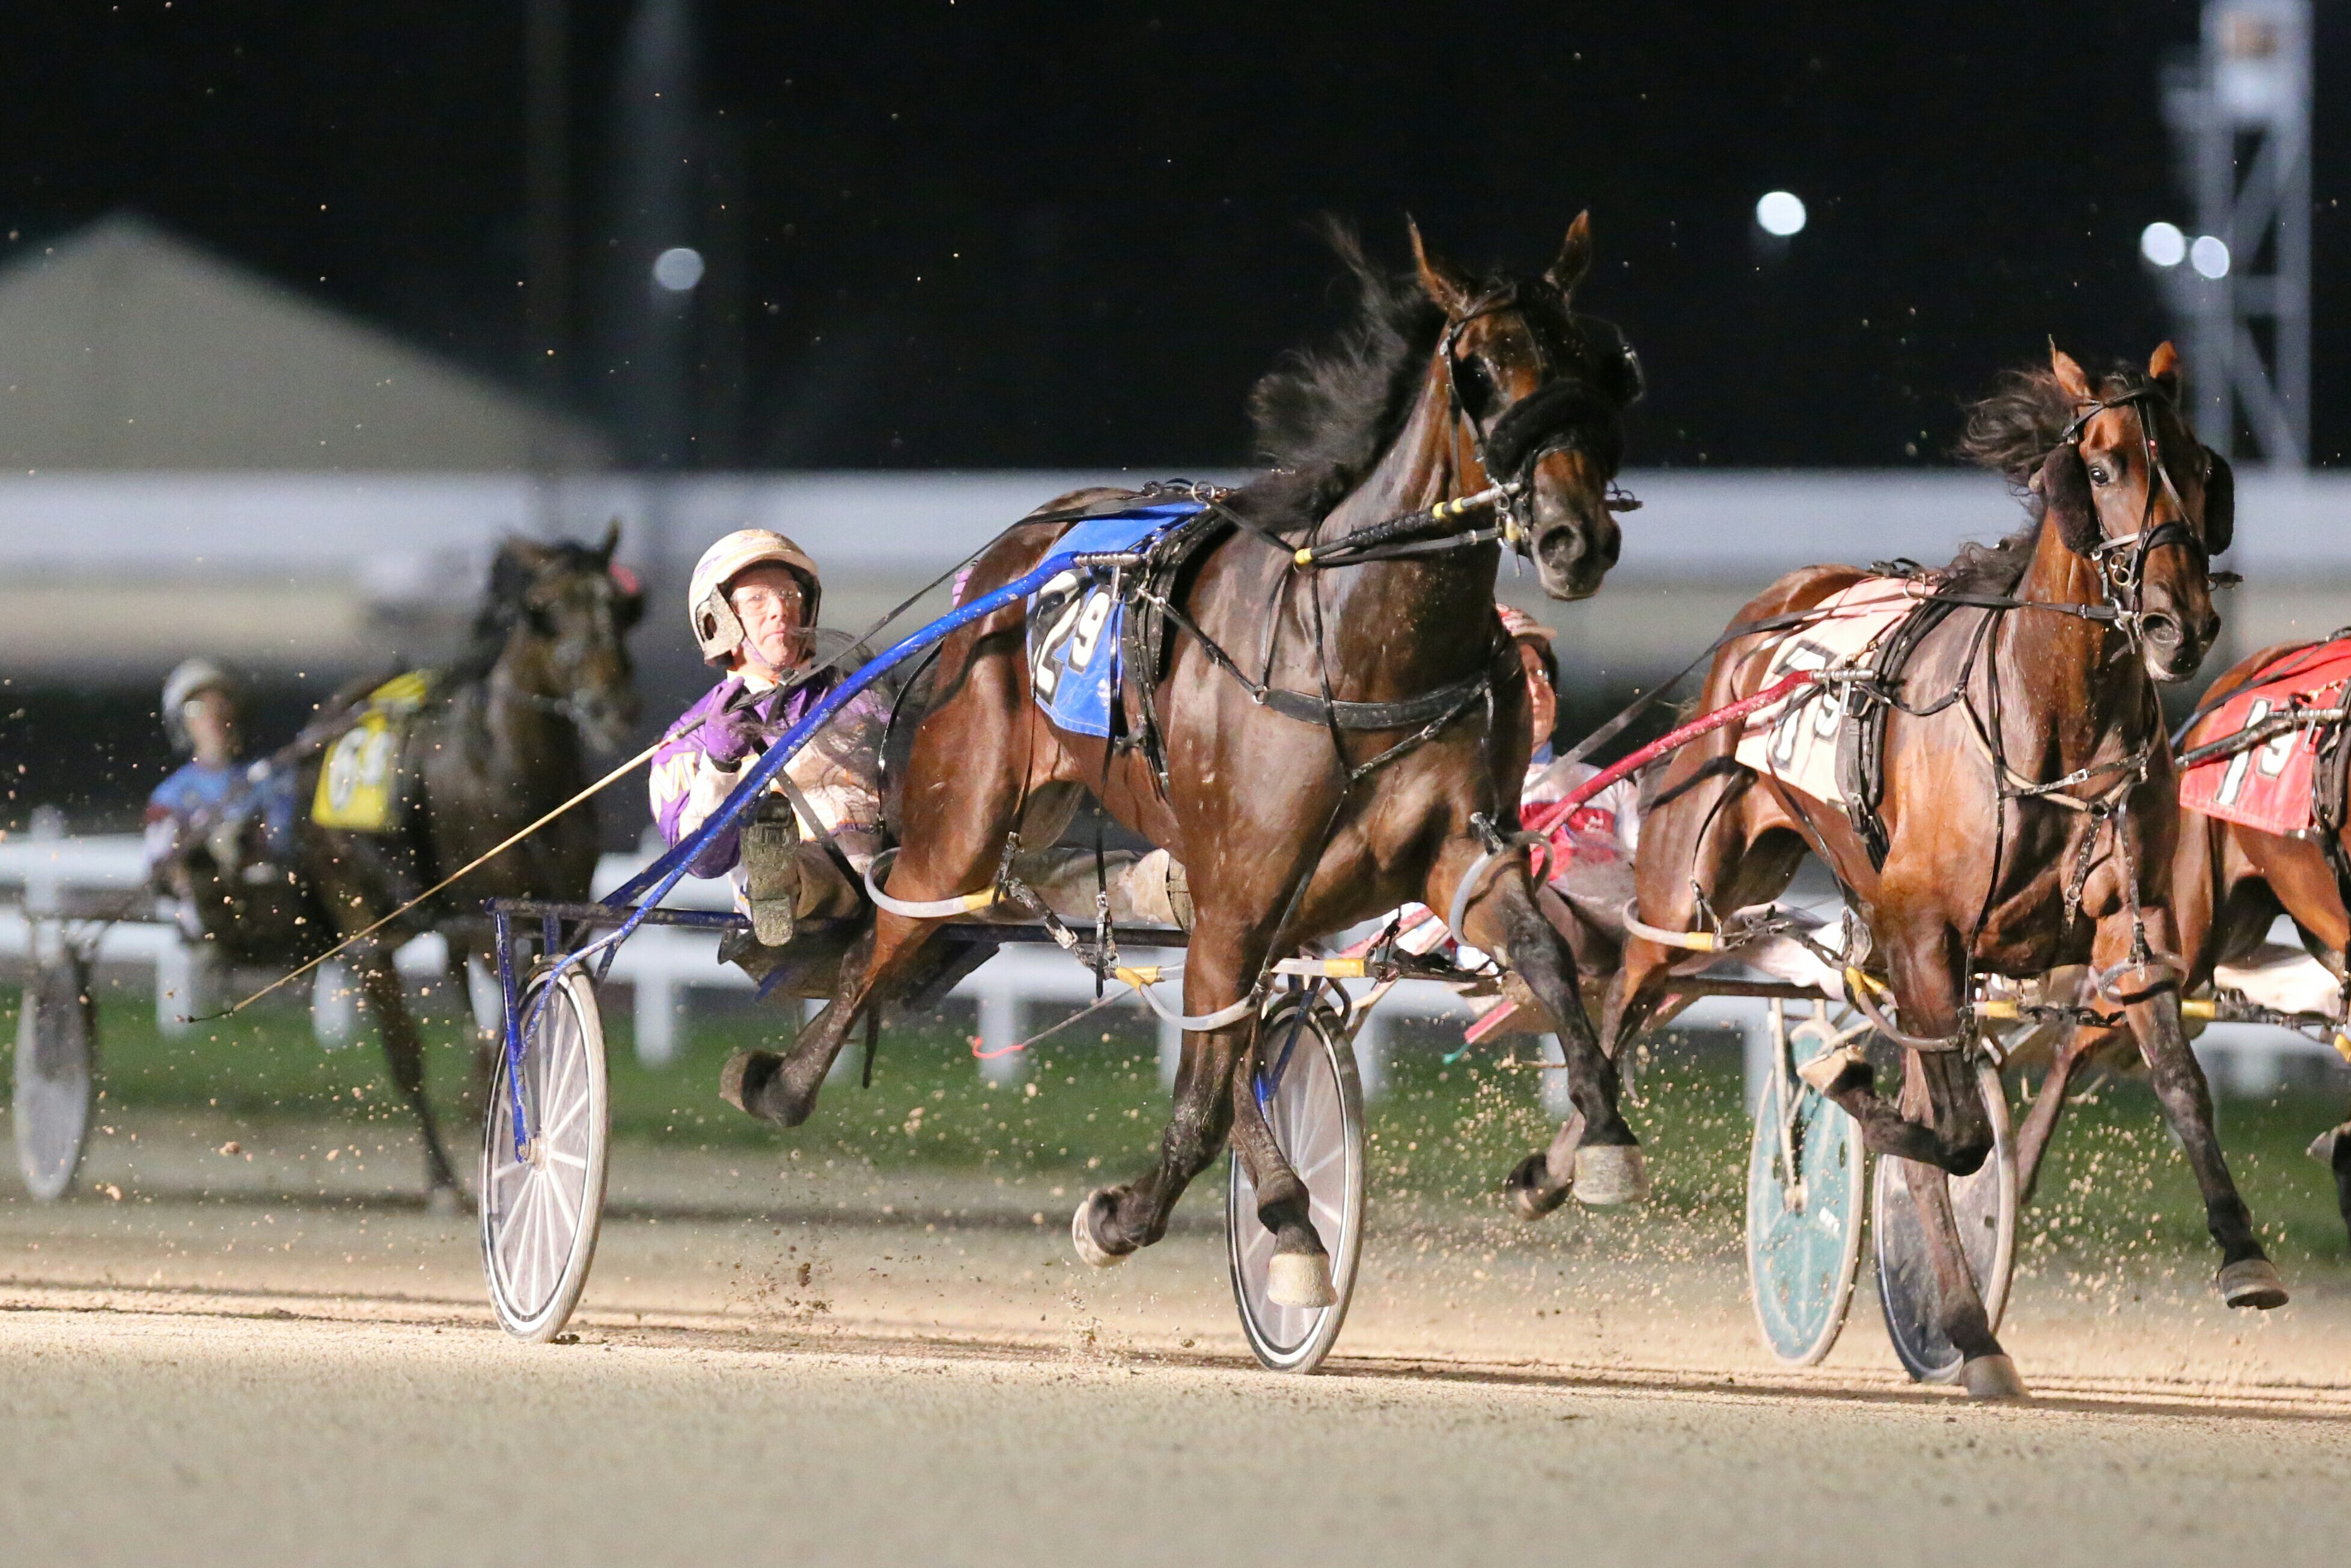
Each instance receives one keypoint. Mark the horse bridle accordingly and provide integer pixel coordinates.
(1548, 419)
(2121, 562)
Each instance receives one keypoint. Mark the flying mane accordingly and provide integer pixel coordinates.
(2012, 431)
(1326, 414)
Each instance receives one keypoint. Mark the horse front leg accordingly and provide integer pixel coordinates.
(1112, 1222)
(1596, 1157)
(1944, 1125)
(1986, 1371)
(403, 1051)
(2246, 1277)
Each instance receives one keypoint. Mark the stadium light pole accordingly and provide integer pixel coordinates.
(2240, 113)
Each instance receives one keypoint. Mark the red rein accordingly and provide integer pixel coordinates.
(1554, 814)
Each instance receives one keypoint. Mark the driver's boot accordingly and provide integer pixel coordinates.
(771, 869)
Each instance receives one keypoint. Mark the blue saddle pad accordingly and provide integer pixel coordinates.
(1075, 619)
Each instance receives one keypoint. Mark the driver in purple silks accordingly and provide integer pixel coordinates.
(753, 603)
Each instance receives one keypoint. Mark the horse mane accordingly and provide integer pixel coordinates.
(1327, 413)
(2012, 431)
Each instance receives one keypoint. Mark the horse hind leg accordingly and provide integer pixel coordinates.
(404, 1053)
(1112, 1222)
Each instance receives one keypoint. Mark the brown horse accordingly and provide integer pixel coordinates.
(2230, 883)
(2028, 805)
(501, 740)
(1294, 824)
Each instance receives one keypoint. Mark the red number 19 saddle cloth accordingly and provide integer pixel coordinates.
(2268, 787)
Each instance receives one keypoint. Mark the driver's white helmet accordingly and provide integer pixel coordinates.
(191, 677)
(717, 632)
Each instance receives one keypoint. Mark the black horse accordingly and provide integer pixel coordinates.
(502, 738)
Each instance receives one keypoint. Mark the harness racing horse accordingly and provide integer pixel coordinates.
(501, 740)
(1369, 757)
(2232, 881)
(2027, 812)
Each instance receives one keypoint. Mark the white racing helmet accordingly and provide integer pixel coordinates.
(191, 677)
(717, 632)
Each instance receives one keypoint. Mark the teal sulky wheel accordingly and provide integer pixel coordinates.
(1985, 1206)
(1314, 1104)
(1803, 1203)
(541, 1206)
(57, 1061)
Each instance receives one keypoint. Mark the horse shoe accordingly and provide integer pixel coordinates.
(1822, 1071)
(1081, 1237)
(2251, 1283)
(1300, 1279)
(1608, 1175)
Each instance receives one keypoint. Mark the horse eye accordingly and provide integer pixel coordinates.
(1476, 386)
(2099, 475)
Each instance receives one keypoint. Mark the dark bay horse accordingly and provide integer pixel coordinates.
(2028, 800)
(501, 740)
(2230, 883)
(1290, 827)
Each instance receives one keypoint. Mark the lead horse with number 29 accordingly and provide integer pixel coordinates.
(1335, 727)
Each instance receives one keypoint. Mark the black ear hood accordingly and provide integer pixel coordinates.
(2065, 489)
(2220, 503)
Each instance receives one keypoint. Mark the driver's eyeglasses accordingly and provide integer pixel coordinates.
(750, 601)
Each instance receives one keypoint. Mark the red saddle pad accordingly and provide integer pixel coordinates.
(2268, 787)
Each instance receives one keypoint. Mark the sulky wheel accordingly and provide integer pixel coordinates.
(543, 1203)
(1314, 1105)
(57, 1055)
(1804, 1204)
(1985, 1206)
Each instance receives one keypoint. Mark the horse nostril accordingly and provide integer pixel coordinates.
(2209, 632)
(2160, 629)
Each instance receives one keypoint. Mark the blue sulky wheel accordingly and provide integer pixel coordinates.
(57, 1052)
(1803, 1203)
(541, 1206)
(1985, 1206)
(1314, 1104)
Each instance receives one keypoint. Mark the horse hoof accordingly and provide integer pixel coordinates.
(1300, 1279)
(2321, 1147)
(753, 1082)
(1992, 1378)
(2252, 1282)
(1608, 1175)
(1532, 1195)
(1823, 1071)
(1081, 1233)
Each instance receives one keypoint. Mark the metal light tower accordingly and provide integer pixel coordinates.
(2240, 117)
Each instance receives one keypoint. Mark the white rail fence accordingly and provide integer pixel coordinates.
(663, 965)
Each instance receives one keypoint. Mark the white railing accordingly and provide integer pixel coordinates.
(665, 965)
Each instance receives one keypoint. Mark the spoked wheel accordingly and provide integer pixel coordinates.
(57, 1053)
(1985, 1206)
(1314, 1104)
(1803, 1202)
(541, 1206)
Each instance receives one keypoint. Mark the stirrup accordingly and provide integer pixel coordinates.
(771, 869)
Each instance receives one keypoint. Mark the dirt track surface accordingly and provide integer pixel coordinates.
(802, 1366)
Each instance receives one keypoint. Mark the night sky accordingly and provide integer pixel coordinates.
(977, 234)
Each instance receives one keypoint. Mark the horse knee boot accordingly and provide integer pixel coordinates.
(771, 869)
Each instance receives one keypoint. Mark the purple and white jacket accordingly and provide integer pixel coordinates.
(839, 771)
